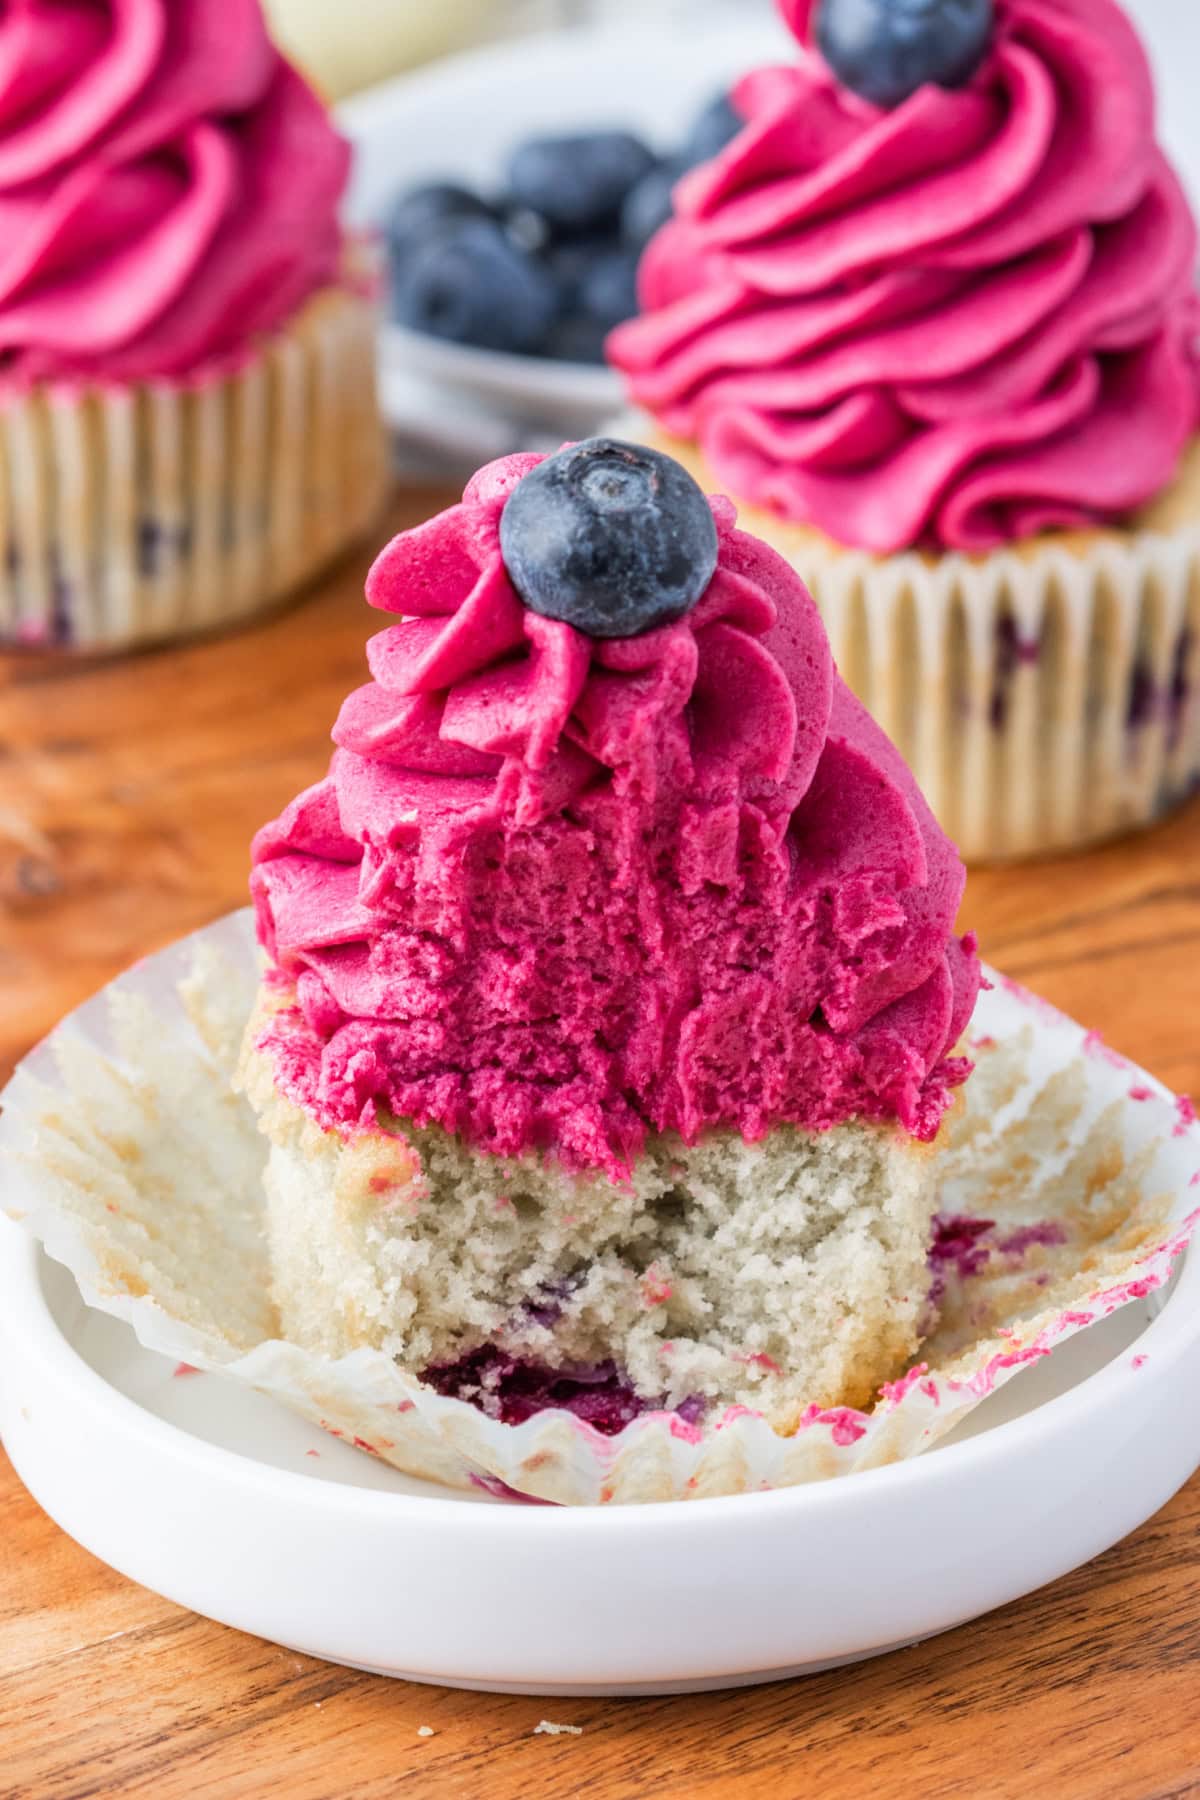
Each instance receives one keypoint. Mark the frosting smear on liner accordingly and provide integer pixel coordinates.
(565, 893)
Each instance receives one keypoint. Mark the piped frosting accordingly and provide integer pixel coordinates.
(169, 187)
(557, 893)
(958, 322)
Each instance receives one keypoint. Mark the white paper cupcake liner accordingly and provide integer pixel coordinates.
(1069, 1190)
(1045, 699)
(133, 514)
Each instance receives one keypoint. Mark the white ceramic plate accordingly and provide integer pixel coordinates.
(458, 119)
(219, 1499)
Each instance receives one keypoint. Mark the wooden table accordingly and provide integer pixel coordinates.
(128, 793)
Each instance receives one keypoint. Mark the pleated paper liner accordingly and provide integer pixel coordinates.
(1046, 696)
(132, 514)
(1070, 1186)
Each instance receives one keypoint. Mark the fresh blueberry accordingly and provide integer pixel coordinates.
(473, 285)
(597, 278)
(648, 206)
(527, 229)
(613, 538)
(717, 125)
(577, 183)
(571, 258)
(598, 286)
(423, 210)
(608, 289)
(886, 49)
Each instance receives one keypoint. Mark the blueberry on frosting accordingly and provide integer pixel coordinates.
(612, 538)
(886, 49)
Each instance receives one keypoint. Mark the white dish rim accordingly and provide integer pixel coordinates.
(1165, 1338)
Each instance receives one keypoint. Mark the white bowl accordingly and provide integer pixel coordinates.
(458, 119)
(216, 1497)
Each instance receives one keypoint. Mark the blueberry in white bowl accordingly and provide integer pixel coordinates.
(597, 280)
(546, 263)
(649, 205)
(608, 287)
(715, 125)
(471, 284)
(578, 183)
(420, 211)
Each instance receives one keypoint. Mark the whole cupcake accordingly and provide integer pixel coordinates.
(188, 427)
(612, 997)
(931, 317)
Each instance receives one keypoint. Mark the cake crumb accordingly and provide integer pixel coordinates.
(549, 1729)
(425, 1731)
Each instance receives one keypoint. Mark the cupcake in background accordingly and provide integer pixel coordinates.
(188, 427)
(931, 319)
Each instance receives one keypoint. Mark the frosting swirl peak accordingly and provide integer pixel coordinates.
(559, 891)
(168, 186)
(963, 320)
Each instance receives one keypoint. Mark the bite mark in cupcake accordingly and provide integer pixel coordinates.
(560, 891)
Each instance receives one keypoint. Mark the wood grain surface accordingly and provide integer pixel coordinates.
(128, 793)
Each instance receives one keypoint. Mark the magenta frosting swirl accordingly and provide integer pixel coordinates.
(958, 322)
(557, 892)
(169, 186)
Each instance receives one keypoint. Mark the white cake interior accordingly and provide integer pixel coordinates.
(776, 1275)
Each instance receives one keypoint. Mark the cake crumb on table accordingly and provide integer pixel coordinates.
(549, 1729)
(425, 1731)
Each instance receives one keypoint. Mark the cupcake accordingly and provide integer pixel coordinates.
(931, 319)
(612, 997)
(188, 426)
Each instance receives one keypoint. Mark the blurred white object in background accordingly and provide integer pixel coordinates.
(344, 45)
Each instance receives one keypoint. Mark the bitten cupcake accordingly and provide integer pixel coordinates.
(612, 993)
(188, 425)
(931, 318)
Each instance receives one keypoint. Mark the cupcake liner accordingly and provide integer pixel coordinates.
(138, 513)
(1045, 697)
(1068, 1191)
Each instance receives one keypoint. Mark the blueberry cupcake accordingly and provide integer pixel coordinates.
(931, 318)
(612, 997)
(188, 427)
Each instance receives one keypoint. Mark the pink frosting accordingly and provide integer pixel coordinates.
(961, 321)
(168, 186)
(557, 891)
